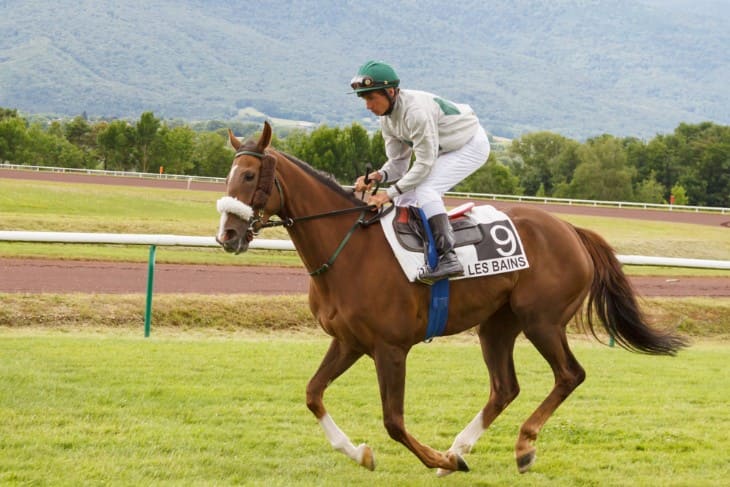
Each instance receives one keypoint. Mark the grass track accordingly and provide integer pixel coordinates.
(219, 409)
(53, 206)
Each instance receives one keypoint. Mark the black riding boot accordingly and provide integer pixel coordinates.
(448, 264)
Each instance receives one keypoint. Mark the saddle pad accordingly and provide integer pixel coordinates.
(499, 251)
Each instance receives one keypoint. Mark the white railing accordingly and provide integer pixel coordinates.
(481, 196)
(133, 239)
(187, 241)
(101, 172)
(596, 203)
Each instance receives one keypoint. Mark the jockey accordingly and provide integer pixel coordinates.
(448, 142)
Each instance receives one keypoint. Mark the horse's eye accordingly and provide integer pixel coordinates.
(249, 176)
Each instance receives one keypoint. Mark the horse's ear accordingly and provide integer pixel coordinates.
(234, 140)
(265, 138)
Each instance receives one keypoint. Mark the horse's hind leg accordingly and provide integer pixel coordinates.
(552, 343)
(497, 337)
(337, 360)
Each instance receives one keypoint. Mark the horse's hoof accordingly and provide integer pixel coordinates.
(461, 465)
(524, 462)
(367, 459)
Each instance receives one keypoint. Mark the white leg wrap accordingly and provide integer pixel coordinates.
(465, 440)
(339, 440)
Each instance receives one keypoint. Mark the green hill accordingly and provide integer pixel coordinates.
(577, 67)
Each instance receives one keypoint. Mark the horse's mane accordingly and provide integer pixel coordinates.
(325, 178)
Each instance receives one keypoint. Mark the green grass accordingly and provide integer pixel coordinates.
(52, 206)
(642, 237)
(224, 409)
(140, 253)
(63, 207)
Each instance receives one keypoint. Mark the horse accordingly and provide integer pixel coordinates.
(573, 273)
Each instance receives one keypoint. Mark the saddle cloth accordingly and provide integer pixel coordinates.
(487, 242)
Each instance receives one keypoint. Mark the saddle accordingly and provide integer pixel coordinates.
(408, 227)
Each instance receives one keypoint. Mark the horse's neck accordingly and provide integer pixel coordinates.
(304, 195)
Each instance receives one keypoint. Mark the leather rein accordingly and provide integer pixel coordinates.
(261, 197)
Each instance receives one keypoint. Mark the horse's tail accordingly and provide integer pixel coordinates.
(613, 300)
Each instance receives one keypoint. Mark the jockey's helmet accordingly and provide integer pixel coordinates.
(374, 75)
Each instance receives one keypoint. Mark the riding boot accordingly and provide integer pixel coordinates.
(448, 264)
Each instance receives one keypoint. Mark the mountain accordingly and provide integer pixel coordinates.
(577, 67)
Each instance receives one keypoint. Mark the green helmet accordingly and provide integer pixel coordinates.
(374, 75)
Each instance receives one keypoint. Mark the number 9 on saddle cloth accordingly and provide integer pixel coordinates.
(487, 242)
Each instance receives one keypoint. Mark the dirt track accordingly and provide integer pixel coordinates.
(55, 276)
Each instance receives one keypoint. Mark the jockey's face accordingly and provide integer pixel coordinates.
(376, 101)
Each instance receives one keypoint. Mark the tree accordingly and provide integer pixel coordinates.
(14, 138)
(50, 149)
(377, 149)
(82, 135)
(323, 149)
(78, 132)
(492, 178)
(547, 159)
(146, 131)
(211, 155)
(356, 153)
(602, 173)
(172, 149)
(702, 155)
(713, 165)
(8, 113)
(649, 191)
(117, 142)
(680, 195)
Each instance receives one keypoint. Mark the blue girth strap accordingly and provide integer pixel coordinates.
(438, 308)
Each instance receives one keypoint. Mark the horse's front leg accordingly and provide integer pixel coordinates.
(337, 360)
(390, 363)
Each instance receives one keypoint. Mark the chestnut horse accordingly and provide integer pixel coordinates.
(384, 315)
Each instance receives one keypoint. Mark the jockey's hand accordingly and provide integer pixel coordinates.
(379, 199)
(360, 182)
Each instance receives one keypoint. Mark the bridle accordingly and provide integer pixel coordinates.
(262, 193)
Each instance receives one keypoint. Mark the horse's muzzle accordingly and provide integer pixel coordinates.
(234, 232)
(234, 241)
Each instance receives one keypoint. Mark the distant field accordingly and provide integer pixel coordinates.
(53, 206)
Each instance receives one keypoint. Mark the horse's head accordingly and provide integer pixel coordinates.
(248, 185)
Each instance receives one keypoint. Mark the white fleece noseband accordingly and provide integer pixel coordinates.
(228, 204)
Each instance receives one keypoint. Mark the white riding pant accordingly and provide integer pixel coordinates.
(448, 170)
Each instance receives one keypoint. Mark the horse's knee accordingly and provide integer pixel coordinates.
(395, 429)
(570, 380)
(503, 395)
(314, 402)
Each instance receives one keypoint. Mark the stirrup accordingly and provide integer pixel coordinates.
(445, 269)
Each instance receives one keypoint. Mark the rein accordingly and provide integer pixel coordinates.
(256, 219)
